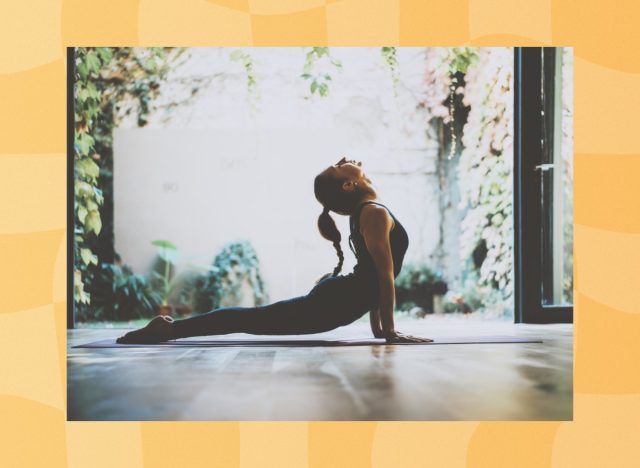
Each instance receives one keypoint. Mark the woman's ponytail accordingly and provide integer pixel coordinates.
(328, 230)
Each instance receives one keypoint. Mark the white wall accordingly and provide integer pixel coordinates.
(212, 171)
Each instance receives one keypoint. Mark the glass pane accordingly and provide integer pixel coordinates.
(556, 177)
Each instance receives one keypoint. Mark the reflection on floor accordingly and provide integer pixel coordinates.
(522, 381)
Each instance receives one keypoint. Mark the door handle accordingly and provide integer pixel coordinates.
(543, 167)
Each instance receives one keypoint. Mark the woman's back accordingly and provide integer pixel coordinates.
(398, 239)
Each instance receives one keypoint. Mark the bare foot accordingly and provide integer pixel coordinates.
(159, 329)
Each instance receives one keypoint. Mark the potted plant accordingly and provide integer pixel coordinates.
(232, 280)
(419, 285)
(168, 253)
(120, 294)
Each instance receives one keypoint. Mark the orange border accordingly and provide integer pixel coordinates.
(33, 37)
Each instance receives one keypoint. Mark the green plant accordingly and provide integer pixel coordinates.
(240, 55)
(389, 54)
(474, 296)
(234, 265)
(134, 296)
(168, 253)
(120, 294)
(477, 86)
(416, 285)
(486, 166)
(319, 80)
(109, 84)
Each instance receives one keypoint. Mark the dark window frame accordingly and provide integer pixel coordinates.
(529, 236)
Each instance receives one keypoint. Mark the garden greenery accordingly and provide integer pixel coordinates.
(239, 55)
(416, 285)
(109, 84)
(486, 166)
(483, 89)
(318, 62)
(235, 265)
(391, 59)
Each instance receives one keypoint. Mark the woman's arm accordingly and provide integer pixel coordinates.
(374, 320)
(375, 225)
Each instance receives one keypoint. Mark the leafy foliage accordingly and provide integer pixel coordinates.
(416, 285)
(472, 296)
(246, 60)
(109, 83)
(129, 296)
(486, 166)
(478, 82)
(391, 59)
(236, 264)
(316, 70)
(168, 253)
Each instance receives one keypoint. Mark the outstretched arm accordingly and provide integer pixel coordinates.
(375, 225)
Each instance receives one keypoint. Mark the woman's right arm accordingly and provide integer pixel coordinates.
(374, 321)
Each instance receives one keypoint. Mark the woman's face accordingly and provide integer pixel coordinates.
(351, 170)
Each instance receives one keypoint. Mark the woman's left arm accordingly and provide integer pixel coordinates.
(375, 225)
(374, 320)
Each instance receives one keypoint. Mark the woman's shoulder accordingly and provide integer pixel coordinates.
(373, 213)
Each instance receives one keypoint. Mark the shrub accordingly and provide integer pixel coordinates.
(236, 264)
(416, 285)
(119, 294)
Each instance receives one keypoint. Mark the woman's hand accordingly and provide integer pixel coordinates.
(397, 337)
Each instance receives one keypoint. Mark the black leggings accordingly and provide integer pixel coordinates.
(332, 303)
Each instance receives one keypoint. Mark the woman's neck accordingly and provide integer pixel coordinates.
(368, 198)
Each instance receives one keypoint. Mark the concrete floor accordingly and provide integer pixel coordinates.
(521, 381)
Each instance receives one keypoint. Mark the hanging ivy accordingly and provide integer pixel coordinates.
(109, 84)
(391, 59)
(318, 63)
(246, 60)
(468, 92)
(486, 169)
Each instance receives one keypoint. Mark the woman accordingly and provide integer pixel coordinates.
(377, 239)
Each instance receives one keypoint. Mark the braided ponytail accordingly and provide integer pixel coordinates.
(328, 230)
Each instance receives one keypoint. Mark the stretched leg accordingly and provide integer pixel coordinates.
(329, 305)
(289, 317)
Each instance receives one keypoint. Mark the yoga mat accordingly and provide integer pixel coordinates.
(222, 343)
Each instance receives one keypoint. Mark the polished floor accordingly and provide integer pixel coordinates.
(515, 381)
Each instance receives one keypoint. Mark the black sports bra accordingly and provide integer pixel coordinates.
(398, 239)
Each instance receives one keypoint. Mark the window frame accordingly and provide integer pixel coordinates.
(527, 211)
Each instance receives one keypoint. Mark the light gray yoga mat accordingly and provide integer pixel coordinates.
(220, 343)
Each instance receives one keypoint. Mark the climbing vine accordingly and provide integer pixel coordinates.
(246, 60)
(317, 66)
(391, 59)
(486, 166)
(468, 105)
(109, 85)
